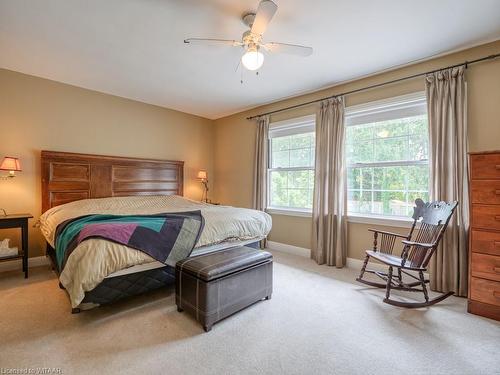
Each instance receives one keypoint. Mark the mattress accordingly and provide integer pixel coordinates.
(95, 259)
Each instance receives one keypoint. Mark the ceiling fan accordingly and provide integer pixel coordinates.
(251, 40)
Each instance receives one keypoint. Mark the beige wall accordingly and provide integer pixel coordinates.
(234, 136)
(37, 114)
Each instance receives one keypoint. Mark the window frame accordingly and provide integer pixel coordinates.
(297, 125)
(404, 106)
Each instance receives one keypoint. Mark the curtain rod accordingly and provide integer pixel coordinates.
(466, 63)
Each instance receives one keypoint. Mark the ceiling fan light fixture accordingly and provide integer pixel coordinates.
(251, 40)
(252, 59)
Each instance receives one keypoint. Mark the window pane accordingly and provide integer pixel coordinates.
(366, 178)
(281, 143)
(281, 159)
(378, 178)
(293, 189)
(418, 125)
(391, 149)
(279, 191)
(418, 148)
(392, 128)
(311, 182)
(293, 151)
(299, 198)
(360, 152)
(300, 157)
(359, 202)
(394, 203)
(301, 140)
(298, 179)
(418, 178)
(354, 178)
(378, 203)
(392, 189)
(394, 178)
(359, 133)
(292, 186)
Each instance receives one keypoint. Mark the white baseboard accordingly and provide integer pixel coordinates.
(306, 253)
(17, 264)
(289, 249)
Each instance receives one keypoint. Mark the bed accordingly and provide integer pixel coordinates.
(101, 272)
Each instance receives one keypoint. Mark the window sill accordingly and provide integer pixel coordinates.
(288, 212)
(399, 222)
(361, 219)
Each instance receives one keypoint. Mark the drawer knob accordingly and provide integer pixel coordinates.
(496, 294)
(497, 192)
(496, 269)
(497, 167)
(497, 217)
(496, 244)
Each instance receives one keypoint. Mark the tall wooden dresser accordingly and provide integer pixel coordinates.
(484, 249)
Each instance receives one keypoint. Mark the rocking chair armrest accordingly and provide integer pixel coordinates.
(388, 233)
(421, 244)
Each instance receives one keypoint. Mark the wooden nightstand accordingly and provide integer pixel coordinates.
(18, 221)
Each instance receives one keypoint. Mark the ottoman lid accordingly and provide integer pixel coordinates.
(221, 263)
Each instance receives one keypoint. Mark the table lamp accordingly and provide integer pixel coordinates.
(10, 164)
(203, 177)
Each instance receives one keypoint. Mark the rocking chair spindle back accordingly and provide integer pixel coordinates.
(434, 218)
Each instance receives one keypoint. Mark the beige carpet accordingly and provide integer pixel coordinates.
(318, 322)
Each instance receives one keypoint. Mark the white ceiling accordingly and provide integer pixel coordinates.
(135, 49)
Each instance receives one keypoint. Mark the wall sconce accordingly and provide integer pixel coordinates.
(10, 164)
(203, 177)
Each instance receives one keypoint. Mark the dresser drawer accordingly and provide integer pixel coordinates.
(484, 216)
(485, 191)
(485, 291)
(485, 266)
(485, 242)
(486, 166)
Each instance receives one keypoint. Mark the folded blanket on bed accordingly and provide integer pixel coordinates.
(166, 237)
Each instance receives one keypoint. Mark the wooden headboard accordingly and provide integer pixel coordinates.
(68, 177)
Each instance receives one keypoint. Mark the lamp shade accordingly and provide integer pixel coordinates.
(10, 164)
(202, 175)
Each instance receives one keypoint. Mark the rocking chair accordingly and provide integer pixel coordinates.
(415, 256)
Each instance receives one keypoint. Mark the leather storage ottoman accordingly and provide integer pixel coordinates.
(213, 286)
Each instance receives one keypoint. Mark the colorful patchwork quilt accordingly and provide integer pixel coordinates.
(166, 237)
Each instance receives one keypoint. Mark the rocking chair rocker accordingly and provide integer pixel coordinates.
(415, 256)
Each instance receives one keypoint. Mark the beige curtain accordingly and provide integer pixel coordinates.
(260, 166)
(447, 111)
(329, 242)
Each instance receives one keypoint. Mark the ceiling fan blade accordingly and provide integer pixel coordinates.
(213, 42)
(265, 13)
(292, 49)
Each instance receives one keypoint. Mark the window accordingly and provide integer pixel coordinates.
(387, 156)
(291, 164)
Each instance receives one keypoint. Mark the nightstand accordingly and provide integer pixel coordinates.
(18, 221)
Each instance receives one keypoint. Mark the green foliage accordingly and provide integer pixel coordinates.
(293, 151)
(293, 188)
(384, 190)
(387, 190)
